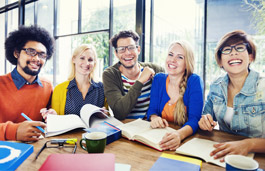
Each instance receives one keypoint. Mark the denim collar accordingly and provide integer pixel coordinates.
(74, 84)
(19, 81)
(248, 88)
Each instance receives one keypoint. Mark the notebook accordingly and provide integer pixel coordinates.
(97, 161)
(12, 154)
(176, 163)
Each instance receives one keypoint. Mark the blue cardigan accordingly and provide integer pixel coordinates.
(193, 98)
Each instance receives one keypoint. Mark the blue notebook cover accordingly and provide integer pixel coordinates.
(112, 132)
(12, 154)
(176, 163)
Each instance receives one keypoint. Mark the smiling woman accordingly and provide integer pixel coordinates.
(237, 99)
(177, 96)
(81, 87)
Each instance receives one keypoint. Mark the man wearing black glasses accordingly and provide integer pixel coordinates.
(127, 84)
(22, 91)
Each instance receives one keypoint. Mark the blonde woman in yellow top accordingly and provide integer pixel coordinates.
(80, 88)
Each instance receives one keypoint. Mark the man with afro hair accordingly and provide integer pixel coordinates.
(22, 90)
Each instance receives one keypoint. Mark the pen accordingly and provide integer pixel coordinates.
(26, 117)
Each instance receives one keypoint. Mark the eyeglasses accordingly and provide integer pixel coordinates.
(130, 48)
(32, 52)
(59, 143)
(239, 48)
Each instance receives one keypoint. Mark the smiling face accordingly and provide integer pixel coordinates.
(175, 62)
(85, 63)
(128, 58)
(236, 62)
(30, 65)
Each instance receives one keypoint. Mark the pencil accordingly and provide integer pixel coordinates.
(26, 117)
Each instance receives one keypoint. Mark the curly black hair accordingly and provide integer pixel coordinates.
(17, 40)
(124, 34)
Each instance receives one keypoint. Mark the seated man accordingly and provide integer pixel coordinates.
(127, 84)
(22, 90)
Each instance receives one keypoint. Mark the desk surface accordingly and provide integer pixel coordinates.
(139, 156)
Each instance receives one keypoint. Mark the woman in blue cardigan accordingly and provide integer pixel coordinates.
(176, 96)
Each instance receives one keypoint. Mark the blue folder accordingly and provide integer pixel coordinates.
(12, 154)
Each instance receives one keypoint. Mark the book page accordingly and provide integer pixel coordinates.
(201, 148)
(152, 137)
(58, 124)
(131, 128)
(88, 110)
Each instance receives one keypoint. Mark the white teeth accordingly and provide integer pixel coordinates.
(172, 66)
(34, 65)
(237, 61)
(128, 59)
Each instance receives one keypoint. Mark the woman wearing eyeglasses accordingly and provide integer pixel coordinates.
(177, 96)
(237, 100)
(80, 88)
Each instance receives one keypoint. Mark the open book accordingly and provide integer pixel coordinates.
(201, 148)
(140, 130)
(89, 115)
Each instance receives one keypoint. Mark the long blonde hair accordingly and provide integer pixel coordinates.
(78, 51)
(180, 113)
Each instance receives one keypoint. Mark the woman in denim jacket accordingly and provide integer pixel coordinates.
(237, 100)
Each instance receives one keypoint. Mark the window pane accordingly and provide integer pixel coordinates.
(67, 17)
(2, 42)
(95, 15)
(29, 14)
(148, 57)
(124, 13)
(45, 15)
(178, 20)
(12, 25)
(2, 3)
(66, 45)
(11, 1)
(223, 17)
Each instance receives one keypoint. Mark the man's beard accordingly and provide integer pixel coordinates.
(128, 67)
(29, 71)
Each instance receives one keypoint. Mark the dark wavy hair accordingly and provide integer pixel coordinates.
(124, 34)
(18, 38)
(232, 38)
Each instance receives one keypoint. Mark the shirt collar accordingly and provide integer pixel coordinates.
(248, 88)
(19, 81)
(74, 84)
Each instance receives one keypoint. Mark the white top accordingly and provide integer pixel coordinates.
(229, 115)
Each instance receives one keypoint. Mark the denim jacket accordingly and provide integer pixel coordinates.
(249, 106)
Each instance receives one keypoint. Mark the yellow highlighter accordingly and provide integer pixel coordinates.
(64, 141)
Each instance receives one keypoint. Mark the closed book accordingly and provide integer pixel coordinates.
(176, 163)
(113, 133)
(12, 154)
(97, 161)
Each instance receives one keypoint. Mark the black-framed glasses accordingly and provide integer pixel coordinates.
(122, 49)
(59, 143)
(32, 52)
(239, 48)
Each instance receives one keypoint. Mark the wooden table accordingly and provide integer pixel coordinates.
(139, 156)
